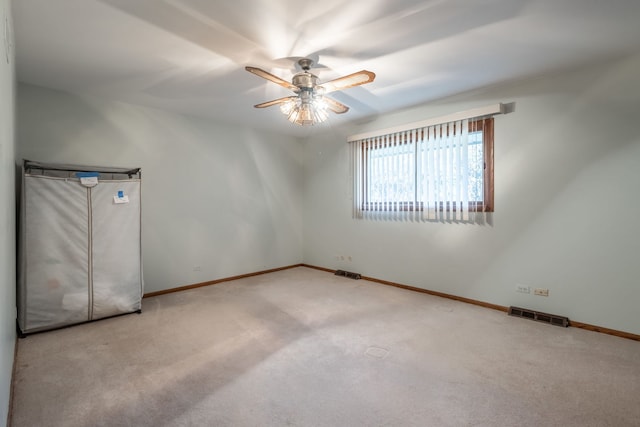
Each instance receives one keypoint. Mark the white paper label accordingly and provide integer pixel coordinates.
(119, 200)
(89, 181)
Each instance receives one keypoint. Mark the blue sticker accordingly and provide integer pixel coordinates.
(120, 194)
(87, 174)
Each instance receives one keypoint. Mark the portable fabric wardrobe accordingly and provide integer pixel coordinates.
(80, 244)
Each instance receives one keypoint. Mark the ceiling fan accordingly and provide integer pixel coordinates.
(310, 105)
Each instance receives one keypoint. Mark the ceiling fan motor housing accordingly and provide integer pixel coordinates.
(305, 80)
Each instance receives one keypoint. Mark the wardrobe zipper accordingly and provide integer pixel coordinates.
(90, 253)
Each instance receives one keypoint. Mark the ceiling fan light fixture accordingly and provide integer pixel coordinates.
(320, 109)
(289, 106)
(305, 110)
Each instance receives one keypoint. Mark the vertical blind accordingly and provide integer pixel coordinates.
(433, 172)
(419, 173)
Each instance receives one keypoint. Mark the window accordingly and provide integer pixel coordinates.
(433, 171)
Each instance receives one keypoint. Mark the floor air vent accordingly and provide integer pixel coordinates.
(538, 316)
(348, 274)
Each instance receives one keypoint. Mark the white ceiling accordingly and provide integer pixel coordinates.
(189, 55)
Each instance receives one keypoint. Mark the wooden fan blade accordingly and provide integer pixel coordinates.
(335, 106)
(276, 102)
(355, 79)
(268, 76)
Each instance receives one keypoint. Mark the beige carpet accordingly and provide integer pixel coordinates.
(302, 347)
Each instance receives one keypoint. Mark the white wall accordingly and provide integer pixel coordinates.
(567, 171)
(224, 199)
(7, 218)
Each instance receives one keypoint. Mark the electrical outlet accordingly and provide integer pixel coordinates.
(523, 289)
(541, 292)
(349, 258)
(196, 268)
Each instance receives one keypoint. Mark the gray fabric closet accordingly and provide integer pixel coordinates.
(79, 246)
